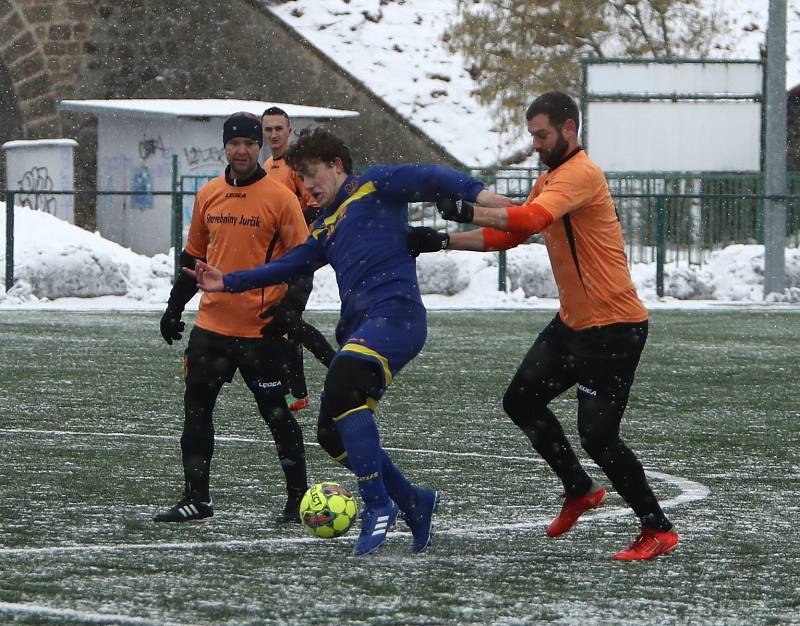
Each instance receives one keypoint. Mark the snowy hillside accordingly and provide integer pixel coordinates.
(395, 48)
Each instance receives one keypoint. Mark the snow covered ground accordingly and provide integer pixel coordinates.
(396, 49)
(60, 266)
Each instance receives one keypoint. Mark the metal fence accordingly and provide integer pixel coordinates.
(666, 217)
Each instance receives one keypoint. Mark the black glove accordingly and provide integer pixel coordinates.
(171, 325)
(182, 291)
(455, 209)
(287, 319)
(425, 239)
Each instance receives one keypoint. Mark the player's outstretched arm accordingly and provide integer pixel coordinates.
(208, 277)
(491, 199)
(525, 219)
(469, 240)
(457, 210)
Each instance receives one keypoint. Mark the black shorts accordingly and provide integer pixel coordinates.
(211, 358)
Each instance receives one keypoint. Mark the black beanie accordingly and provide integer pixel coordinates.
(242, 125)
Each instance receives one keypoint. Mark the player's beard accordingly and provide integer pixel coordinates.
(244, 170)
(553, 157)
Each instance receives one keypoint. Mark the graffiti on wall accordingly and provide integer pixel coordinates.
(37, 180)
(202, 157)
(142, 182)
(150, 146)
(142, 177)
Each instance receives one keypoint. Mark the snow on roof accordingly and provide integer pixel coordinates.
(395, 48)
(197, 108)
(38, 143)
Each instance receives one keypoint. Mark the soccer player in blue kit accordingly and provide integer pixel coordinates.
(362, 234)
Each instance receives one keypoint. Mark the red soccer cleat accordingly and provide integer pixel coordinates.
(299, 405)
(572, 509)
(650, 543)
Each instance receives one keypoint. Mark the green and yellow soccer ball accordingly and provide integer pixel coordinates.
(328, 510)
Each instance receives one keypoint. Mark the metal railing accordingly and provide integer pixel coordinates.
(666, 217)
(10, 196)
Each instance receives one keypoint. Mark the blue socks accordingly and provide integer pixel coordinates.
(378, 477)
(361, 440)
(397, 485)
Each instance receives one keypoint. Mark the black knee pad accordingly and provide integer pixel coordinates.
(350, 381)
(328, 435)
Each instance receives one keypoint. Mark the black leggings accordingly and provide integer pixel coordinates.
(197, 440)
(314, 341)
(601, 362)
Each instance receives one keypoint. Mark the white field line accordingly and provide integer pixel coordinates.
(84, 617)
(218, 438)
(689, 492)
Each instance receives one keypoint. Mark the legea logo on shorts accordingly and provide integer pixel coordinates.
(591, 392)
(269, 384)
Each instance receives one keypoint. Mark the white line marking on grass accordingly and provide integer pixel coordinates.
(218, 438)
(18, 608)
(689, 492)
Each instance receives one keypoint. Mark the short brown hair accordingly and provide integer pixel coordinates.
(558, 107)
(318, 144)
(276, 111)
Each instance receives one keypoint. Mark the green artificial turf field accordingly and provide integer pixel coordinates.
(90, 416)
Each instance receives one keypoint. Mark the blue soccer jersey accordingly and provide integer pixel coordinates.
(363, 237)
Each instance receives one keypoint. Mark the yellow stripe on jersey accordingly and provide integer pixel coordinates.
(382, 360)
(330, 222)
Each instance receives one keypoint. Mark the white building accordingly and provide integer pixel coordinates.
(136, 142)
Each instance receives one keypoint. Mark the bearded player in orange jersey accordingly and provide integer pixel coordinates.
(597, 337)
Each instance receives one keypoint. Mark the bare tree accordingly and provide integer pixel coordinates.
(516, 49)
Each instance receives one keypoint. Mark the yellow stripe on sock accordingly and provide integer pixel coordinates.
(346, 413)
(341, 457)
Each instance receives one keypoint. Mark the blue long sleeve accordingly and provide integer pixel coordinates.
(422, 183)
(303, 259)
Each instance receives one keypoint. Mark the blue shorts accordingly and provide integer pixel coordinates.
(389, 338)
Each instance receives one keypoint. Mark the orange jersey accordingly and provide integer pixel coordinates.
(280, 169)
(233, 229)
(585, 245)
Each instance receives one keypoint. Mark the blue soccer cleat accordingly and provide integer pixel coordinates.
(375, 523)
(419, 518)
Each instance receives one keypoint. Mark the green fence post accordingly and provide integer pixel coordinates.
(501, 271)
(661, 243)
(177, 217)
(9, 240)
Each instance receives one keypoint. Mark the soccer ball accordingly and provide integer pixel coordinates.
(328, 510)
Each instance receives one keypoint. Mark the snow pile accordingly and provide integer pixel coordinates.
(54, 259)
(58, 263)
